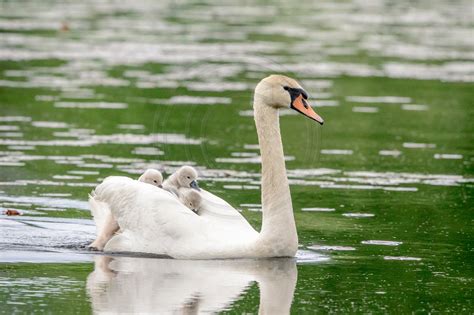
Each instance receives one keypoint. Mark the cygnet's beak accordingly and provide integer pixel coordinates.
(161, 186)
(300, 105)
(194, 185)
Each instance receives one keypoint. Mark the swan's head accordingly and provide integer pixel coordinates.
(152, 177)
(279, 91)
(187, 177)
(190, 198)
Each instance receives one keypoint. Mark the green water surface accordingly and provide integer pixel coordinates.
(91, 89)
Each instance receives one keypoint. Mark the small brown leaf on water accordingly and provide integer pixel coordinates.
(12, 212)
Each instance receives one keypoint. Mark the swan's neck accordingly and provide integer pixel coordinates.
(278, 224)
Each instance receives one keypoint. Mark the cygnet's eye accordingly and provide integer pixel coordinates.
(154, 181)
(188, 177)
(286, 88)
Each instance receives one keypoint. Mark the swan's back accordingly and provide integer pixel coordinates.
(154, 221)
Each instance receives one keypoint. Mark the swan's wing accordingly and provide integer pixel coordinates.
(219, 211)
(145, 212)
(100, 211)
(154, 221)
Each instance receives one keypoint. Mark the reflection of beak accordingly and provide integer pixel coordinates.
(194, 184)
(300, 105)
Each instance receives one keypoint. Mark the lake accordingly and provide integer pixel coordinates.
(382, 192)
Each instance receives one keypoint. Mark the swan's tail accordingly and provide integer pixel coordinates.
(99, 210)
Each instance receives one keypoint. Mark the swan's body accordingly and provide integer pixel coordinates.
(106, 225)
(153, 221)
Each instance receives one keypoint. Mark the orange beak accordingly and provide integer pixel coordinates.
(299, 104)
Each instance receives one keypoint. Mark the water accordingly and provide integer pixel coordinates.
(383, 192)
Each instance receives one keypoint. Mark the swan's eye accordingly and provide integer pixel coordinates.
(189, 177)
(286, 88)
(154, 181)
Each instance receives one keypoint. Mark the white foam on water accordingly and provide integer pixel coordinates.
(414, 107)
(15, 118)
(244, 154)
(325, 103)
(90, 105)
(21, 147)
(11, 134)
(394, 153)
(85, 140)
(66, 177)
(358, 215)
(56, 194)
(48, 201)
(195, 100)
(331, 248)
(382, 243)
(9, 128)
(147, 151)
(336, 152)
(79, 172)
(11, 163)
(241, 187)
(315, 209)
(402, 258)
(310, 257)
(252, 146)
(49, 124)
(400, 188)
(217, 86)
(131, 126)
(414, 145)
(448, 156)
(365, 109)
(378, 99)
(46, 98)
(301, 173)
(246, 113)
(255, 209)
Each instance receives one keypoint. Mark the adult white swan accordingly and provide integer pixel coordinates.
(153, 221)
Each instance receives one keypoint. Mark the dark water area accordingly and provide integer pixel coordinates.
(383, 193)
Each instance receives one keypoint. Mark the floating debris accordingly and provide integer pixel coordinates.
(11, 212)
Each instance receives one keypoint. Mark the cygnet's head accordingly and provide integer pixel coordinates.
(152, 177)
(187, 177)
(279, 91)
(190, 198)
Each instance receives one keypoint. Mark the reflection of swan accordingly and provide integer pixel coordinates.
(152, 222)
(156, 286)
